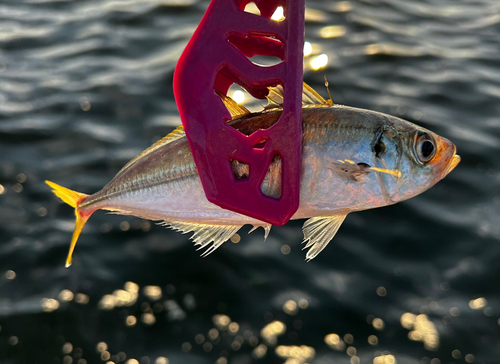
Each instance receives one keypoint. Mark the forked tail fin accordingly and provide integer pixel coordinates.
(73, 199)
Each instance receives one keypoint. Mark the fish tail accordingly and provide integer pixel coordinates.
(73, 199)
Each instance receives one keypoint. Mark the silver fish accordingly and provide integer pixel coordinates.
(352, 160)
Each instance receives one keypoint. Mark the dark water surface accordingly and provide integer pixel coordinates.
(87, 85)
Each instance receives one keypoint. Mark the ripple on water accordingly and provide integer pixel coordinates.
(86, 85)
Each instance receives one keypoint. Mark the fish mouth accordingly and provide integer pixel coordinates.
(453, 163)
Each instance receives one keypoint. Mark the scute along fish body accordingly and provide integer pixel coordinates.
(352, 160)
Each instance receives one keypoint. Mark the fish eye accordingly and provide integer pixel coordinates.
(425, 147)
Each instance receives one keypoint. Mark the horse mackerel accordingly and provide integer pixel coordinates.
(352, 160)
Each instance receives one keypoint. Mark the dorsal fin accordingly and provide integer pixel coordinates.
(274, 97)
(173, 136)
(310, 98)
(236, 110)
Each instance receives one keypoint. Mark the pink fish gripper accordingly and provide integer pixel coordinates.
(216, 57)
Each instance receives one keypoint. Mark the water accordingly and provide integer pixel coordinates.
(87, 85)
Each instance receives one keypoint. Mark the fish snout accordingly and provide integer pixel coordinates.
(446, 158)
(453, 163)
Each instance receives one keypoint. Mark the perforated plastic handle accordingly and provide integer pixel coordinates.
(214, 59)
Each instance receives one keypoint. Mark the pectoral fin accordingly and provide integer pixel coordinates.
(318, 231)
(355, 171)
(205, 234)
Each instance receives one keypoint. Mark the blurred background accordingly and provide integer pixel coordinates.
(87, 85)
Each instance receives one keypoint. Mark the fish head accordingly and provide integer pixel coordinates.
(422, 157)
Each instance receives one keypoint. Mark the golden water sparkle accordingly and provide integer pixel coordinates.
(478, 303)
(271, 331)
(422, 330)
(385, 359)
(66, 295)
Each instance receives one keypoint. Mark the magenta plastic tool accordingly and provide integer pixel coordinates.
(214, 59)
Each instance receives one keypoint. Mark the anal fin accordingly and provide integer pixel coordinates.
(205, 236)
(319, 231)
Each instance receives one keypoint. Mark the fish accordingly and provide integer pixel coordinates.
(351, 160)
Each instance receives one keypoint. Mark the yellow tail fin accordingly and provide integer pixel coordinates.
(72, 198)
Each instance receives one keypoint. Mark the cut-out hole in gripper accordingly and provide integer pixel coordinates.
(271, 185)
(252, 9)
(240, 170)
(261, 144)
(242, 97)
(261, 8)
(279, 14)
(265, 61)
(264, 51)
